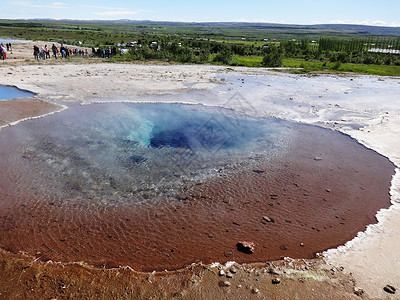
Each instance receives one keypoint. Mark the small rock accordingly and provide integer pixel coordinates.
(245, 247)
(358, 291)
(389, 289)
(233, 270)
(276, 281)
(221, 273)
(259, 170)
(226, 283)
(273, 271)
(301, 245)
(229, 275)
(267, 219)
(239, 286)
(328, 190)
(255, 291)
(318, 158)
(228, 254)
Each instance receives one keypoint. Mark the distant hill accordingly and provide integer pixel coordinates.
(333, 28)
(101, 30)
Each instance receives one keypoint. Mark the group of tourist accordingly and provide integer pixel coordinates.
(3, 51)
(104, 53)
(64, 52)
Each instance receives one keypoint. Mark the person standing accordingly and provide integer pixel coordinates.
(54, 49)
(3, 53)
(36, 52)
(47, 52)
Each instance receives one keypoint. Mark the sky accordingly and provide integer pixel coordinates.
(366, 12)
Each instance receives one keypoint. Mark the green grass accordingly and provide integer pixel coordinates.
(302, 66)
(371, 69)
(240, 42)
(247, 61)
(318, 66)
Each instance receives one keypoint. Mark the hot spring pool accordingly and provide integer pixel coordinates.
(160, 186)
(143, 151)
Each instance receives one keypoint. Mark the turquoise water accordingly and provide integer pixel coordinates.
(119, 151)
(9, 92)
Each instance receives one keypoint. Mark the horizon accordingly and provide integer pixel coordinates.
(190, 22)
(291, 12)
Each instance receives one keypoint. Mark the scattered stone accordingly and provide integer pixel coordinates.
(229, 275)
(268, 220)
(301, 245)
(318, 158)
(358, 291)
(276, 280)
(328, 190)
(245, 247)
(228, 254)
(239, 286)
(273, 196)
(225, 284)
(389, 289)
(233, 270)
(259, 170)
(221, 273)
(274, 271)
(235, 223)
(255, 291)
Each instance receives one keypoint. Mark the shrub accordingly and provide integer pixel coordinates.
(272, 57)
(224, 55)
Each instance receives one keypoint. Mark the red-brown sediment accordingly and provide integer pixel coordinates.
(315, 204)
(17, 109)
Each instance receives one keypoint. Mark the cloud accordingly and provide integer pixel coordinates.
(31, 4)
(110, 8)
(371, 23)
(115, 13)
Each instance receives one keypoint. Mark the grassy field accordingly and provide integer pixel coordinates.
(247, 61)
(99, 33)
(315, 66)
(94, 32)
(302, 66)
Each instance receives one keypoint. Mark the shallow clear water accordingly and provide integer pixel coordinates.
(9, 92)
(160, 186)
(135, 152)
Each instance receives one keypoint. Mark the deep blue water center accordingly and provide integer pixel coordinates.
(122, 149)
(9, 92)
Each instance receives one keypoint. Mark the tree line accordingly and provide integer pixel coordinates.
(272, 53)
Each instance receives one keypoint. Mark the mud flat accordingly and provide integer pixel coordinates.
(365, 107)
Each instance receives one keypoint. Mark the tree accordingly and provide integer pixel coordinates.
(224, 55)
(272, 57)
